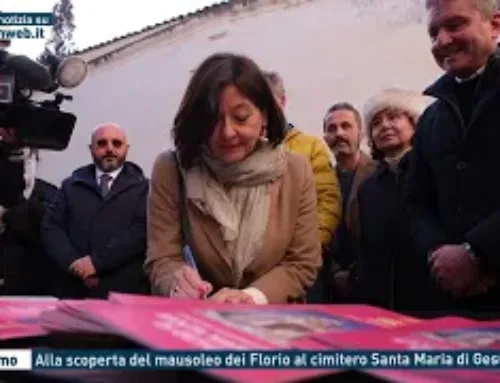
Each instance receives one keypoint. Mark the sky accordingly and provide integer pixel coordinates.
(101, 20)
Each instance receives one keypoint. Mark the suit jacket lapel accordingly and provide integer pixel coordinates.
(362, 171)
(358, 175)
(122, 182)
(207, 227)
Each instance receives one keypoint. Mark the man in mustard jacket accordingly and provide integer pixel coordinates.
(327, 188)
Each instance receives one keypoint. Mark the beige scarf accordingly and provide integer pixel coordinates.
(237, 197)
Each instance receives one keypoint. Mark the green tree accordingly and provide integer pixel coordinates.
(61, 42)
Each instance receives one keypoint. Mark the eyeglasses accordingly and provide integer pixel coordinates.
(117, 144)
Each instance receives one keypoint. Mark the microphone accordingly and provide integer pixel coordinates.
(28, 73)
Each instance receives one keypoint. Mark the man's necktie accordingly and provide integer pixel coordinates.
(104, 185)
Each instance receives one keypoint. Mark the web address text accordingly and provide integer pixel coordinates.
(22, 33)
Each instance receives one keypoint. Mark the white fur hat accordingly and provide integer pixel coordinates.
(397, 98)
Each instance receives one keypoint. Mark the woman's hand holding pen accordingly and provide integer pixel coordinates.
(187, 283)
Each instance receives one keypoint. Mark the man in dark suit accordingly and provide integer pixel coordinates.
(96, 229)
(453, 185)
(342, 127)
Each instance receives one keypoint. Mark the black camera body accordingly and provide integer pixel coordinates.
(25, 123)
(40, 125)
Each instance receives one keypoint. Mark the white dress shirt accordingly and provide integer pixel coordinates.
(474, 75)
(113, 175)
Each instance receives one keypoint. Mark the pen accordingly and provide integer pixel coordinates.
(188, 256)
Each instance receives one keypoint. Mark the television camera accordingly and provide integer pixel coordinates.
(39, 125)
(29, 124)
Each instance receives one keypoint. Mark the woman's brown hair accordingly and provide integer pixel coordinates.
(376, 153)
(199, 110)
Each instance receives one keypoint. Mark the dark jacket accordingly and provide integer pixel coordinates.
(337, 256)
(453, 189)
(23, 221)
(27, 268)
(11, 192)
(111, 229)
(344, 246)
(387, 273)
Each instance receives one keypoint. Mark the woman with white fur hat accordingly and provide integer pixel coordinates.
(402, 108)
(387, 273)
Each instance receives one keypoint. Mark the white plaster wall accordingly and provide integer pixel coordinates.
(326, 50)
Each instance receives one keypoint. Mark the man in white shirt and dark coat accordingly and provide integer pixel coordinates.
(96, 228)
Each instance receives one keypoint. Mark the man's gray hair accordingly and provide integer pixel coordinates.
(486, 7)
(276, 83)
